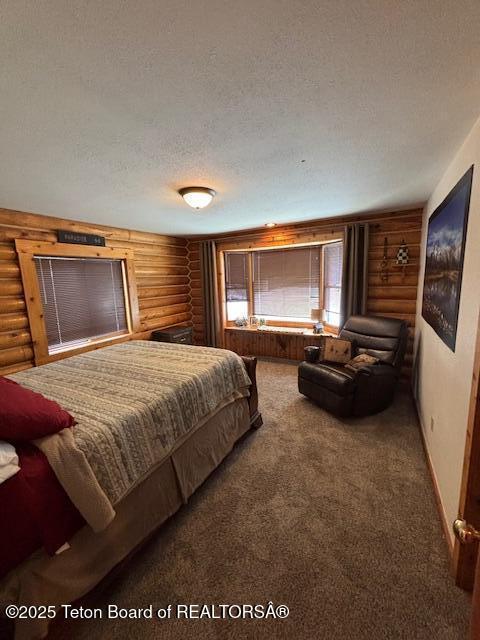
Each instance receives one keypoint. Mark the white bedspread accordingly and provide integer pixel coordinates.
(8, 461)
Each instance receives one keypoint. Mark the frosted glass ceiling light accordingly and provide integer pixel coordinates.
(197, 197)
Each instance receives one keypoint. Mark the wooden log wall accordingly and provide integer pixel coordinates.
(161, 270)
(395, 297)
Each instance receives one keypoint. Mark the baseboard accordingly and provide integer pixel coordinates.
(438, 498)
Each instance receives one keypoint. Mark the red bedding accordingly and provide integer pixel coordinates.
(35, 511)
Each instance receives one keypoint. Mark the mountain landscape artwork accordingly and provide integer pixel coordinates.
(445, 251)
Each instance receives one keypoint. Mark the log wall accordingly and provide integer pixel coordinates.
(161, 270)
(395, 297)
(168, 276)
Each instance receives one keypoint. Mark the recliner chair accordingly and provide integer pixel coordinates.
(371, 388)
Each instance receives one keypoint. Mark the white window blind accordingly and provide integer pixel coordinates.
(333, 257)
(236, 276)
(286, 282)
(236, 284)
(83, 299)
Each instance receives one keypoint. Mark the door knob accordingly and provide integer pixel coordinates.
(465, 532)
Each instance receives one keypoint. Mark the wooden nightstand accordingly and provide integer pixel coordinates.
(181, 335)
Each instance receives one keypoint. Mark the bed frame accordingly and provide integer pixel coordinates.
(256, 419)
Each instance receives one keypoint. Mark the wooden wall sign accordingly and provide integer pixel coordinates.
(73, 237)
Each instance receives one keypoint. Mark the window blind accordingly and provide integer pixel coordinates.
(82, 299)
(333, 257)
(286, 282)
(236, 277)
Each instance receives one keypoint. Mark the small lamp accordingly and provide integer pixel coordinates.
(317, 316)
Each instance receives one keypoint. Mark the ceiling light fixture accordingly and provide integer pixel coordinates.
(271, 224)
(197, 197)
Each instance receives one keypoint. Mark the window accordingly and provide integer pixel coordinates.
(77, 296)
(332, 265)
(285, 284)
(83, 300)
(236, 285)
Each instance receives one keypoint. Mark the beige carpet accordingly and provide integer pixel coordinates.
(336, 519)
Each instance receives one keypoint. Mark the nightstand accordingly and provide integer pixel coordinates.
(180, 335)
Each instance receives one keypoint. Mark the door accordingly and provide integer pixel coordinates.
(475, 622)
(467, 536)
(465, 555)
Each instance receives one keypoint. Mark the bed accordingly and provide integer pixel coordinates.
(152, 422)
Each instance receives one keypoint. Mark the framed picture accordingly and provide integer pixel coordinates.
(447, 230)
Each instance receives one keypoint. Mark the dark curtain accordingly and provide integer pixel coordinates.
(211, 310)
(355, 272)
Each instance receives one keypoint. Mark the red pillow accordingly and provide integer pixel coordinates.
(26, 415)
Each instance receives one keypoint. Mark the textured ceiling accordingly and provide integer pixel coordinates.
(290, 109)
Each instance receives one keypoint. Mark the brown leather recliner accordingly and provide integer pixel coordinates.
(371, 388)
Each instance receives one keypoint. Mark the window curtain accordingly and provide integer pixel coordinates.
(354, 272)
(211, 311)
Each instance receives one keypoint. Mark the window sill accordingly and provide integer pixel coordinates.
(91, 346)
(283, 331)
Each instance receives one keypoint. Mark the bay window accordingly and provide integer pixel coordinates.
(291, 285)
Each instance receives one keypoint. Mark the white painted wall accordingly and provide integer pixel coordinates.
(443, 378)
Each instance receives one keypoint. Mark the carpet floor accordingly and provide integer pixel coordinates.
(334, 518)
